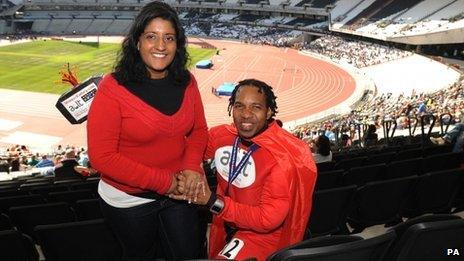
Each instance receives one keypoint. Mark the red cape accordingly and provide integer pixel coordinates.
(294, 157)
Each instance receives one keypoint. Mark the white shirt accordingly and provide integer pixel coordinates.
(117, 198)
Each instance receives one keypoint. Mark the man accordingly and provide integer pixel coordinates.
(44, 162)
(455, 137)
(65, 170)
(265, 178)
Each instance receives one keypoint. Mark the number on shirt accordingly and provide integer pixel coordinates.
(231, 250)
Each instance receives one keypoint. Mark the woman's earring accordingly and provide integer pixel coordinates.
(138, 47)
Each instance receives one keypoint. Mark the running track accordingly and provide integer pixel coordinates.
(303, 86)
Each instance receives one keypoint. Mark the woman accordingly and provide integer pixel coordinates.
(145, 125)
(322, 149)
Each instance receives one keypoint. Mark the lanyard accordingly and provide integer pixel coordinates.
(234, 169)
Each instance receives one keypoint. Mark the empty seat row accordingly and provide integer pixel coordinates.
(397, 169)
(422, 238)
(17, 188)
(25, 218)
(74, 241)
(66, 196)
(384, 202)
(392, 153)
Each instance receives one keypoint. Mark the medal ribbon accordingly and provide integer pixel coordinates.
(234, 170)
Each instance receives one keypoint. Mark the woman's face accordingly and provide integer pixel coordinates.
(157, 46)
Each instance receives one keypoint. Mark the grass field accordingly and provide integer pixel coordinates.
(35, 66)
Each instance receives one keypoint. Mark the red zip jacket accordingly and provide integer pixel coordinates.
(270, 200)
(135, 147)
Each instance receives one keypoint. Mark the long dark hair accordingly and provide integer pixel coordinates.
(130, 66)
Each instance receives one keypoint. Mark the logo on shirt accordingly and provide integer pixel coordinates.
(248, 174)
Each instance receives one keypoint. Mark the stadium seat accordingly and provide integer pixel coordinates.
(91, 185)
(379, 158)
(30, 185)
(87, 209)
(328, 179)
(407, 154)
(68, 181)
(361, 175)
(77, 241)
(325, 166)
(12, 192)
(8, 202)
(330, 210)
(44, 190)
(401, 228)
(434, 150)
(26, 218)
(379, 202)
(442, 161)
(430, 241)
(314, 242)
(70, 196)
(403, 168)
(434, 193)
(372, 249)
(347, 164)
(5, 222)
(15, 246)
(10, 184)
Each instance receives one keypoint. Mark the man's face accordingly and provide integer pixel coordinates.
(250, 111)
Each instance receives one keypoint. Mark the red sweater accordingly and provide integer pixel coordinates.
(135, 147)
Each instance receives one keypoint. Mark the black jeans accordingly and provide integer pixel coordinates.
(164, 228)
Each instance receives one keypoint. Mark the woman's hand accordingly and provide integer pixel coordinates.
(188, 183)
(173, 189)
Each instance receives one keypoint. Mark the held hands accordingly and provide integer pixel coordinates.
(173, 188)
(192, 187)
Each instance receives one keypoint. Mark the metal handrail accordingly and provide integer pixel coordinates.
(447, 125)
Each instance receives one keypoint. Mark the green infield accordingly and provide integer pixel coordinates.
(35, 66)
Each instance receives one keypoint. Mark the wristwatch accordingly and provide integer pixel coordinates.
(217, 206)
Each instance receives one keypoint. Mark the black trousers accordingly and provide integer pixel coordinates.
(165, 228)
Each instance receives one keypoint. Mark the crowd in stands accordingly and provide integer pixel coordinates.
(403, 109)
(22, 35)
(248, 34)
(357, 53)
(20, 158)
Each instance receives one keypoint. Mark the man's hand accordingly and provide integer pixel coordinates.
(202, 191)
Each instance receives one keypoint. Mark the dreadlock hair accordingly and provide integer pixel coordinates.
(262, 88)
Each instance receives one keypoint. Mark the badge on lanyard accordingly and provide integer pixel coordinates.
(234, 169)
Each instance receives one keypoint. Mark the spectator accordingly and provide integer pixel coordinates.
(370, 137)
(322, 149)
(32, 161)
(83, 158)
(4, 166)
(346, 141)
(65, 170)
(44, 162)
(59, 150)
(455, 137)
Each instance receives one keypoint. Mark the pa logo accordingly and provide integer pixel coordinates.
(452, 252)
